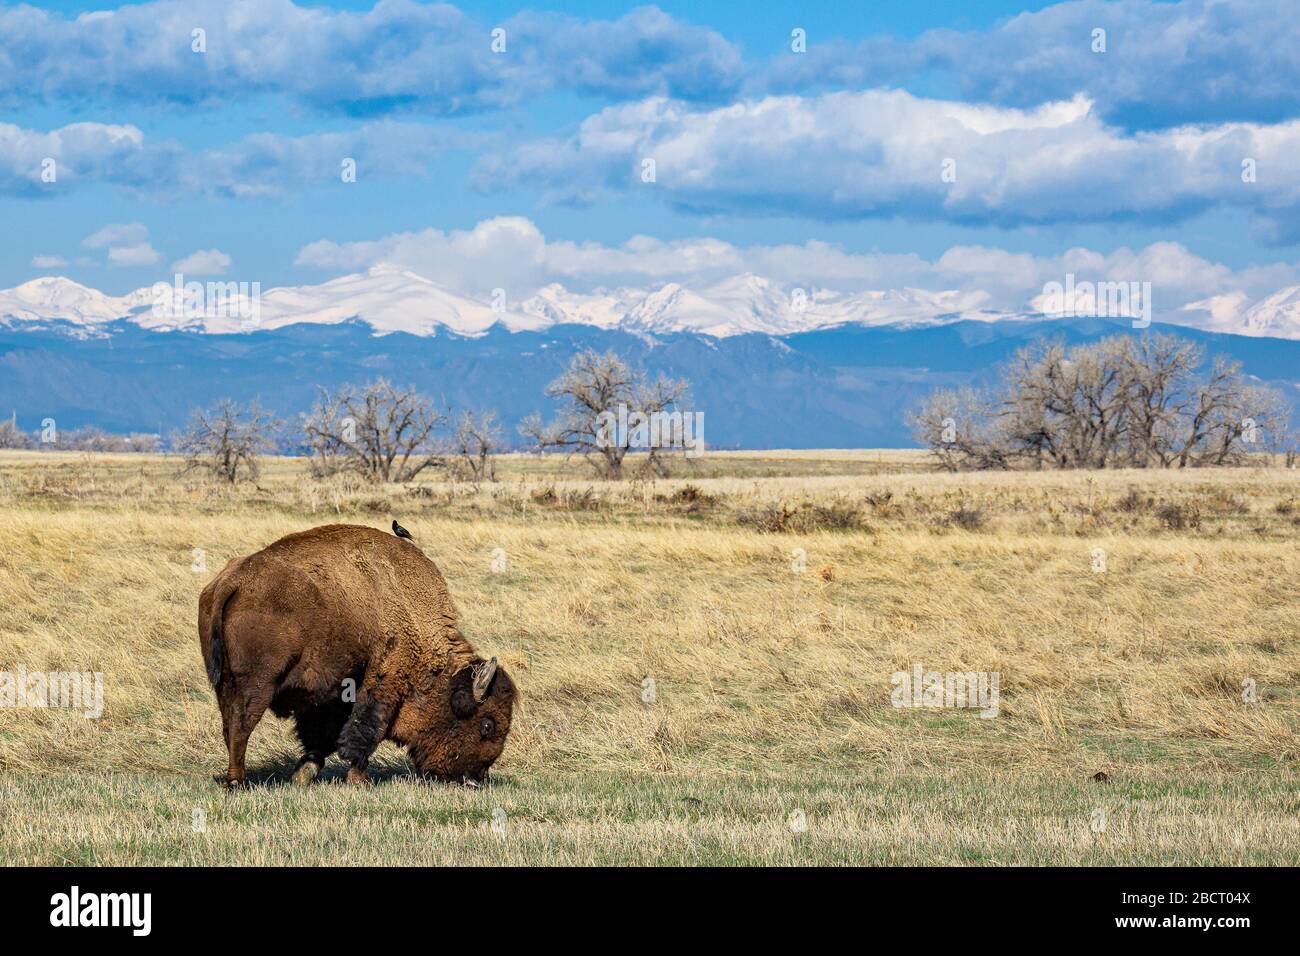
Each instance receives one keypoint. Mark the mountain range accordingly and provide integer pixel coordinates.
(390, 300)
(834, 370)
(394, 300)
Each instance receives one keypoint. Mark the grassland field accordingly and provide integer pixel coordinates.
(1144, 626)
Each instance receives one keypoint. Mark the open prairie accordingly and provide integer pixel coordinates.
(707, 665)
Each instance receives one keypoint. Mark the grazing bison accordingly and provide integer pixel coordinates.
(351, 631)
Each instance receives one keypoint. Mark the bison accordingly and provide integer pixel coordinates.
(351, 631)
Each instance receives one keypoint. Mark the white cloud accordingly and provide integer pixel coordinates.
(259, 165)
(205, 262)
(48, 262)
(127, 244)
(885, 153)
(140, 254)
(34, 163)
(117, 234)
(507, 252)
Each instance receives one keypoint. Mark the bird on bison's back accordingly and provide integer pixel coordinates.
(402, 532)
(355, 636)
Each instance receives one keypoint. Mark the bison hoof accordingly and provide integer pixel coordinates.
(235, 783)
(306, 773)
(358, 777)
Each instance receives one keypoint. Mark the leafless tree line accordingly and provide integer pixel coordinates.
(378, 432)
(382, 433)
(78, 439)
(1121, 402)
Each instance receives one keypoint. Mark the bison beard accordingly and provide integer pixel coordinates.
(296, 626)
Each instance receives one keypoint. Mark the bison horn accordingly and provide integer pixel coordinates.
(483, 675)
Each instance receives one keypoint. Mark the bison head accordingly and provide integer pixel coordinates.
(460, 730)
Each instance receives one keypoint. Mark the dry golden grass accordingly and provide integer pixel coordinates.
(773, 687)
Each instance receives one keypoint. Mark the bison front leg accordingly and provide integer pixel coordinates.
(365, 730)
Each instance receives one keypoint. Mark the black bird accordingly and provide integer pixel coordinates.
(401, 532)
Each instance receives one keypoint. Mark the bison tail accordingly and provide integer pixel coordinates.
(215, 656)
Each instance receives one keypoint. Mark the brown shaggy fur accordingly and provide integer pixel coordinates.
(293, 626)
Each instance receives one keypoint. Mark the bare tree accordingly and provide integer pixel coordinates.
(227, 440)
(381, 432)
(607, 409)
(476, 443)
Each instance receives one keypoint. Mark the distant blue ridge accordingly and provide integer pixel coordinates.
(844, 387)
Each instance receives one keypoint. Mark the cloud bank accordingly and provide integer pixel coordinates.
(513, 254)
(884, 153)
(1164, 64)
(399, 56)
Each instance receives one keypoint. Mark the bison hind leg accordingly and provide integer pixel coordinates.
(239, 716)
(318, 729)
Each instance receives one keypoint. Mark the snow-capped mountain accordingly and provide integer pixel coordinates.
(673, 308)
(53, 297)
(1275, 316)
(394, 300)
(746, 303)
(750, 303)
(605, 310)
(388, 300)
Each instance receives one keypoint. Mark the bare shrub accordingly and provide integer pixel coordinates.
(1134, 502)
(879, 500)
(968, 519)
(595, 387)
(476, 441)
(771, 518)
(1178, 517)
(585, 500)
(227, 440)
(963, 430)
(380, 432)
(803, 518)
(689, 499)
(839, 515)
(1225, 502)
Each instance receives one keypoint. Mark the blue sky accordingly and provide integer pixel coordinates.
(522, 167)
